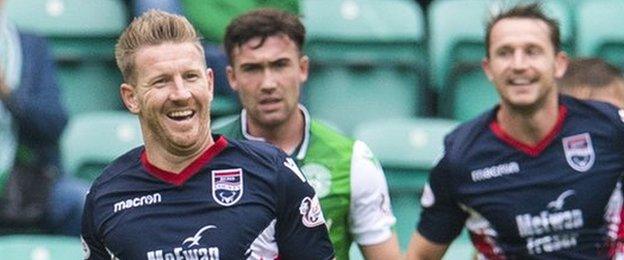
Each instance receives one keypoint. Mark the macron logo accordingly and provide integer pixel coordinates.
(495, 171)
(137, 202)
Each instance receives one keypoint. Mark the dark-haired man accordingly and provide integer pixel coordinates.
(267, 69)
(539, 175)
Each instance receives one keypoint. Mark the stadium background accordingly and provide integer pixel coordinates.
(392, 73)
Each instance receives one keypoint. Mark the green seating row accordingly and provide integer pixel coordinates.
(370, 59)
(92, 140)
(82, 35)
(378, 59)
(366, 60)
(407, 149)
(456, 45)
(40, 247)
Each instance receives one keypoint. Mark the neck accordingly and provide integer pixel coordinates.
(529, 126)
(287, 135)
(175, 160)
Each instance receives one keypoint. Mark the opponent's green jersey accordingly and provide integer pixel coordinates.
(325, 157)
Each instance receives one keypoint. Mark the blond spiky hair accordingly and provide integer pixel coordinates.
(150, 29)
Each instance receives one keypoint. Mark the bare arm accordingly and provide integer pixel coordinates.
(388, 249)
(422, 249)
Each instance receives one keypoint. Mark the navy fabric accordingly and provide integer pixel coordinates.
(191, 218)
(558, 203)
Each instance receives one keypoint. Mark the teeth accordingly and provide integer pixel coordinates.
(520, 81)
(184, 113)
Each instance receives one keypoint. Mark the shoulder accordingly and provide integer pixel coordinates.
(595, 110)
(366, 172)
(119, 167)
(268, 161)
(329, 136)
(463, 135)
(257, 151)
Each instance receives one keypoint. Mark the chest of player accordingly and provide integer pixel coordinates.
(207, 217)
(542, 203)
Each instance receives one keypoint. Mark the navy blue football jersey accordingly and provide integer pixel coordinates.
(238, 200)
(559, 199)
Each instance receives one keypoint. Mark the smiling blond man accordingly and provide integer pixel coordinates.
(187, 194)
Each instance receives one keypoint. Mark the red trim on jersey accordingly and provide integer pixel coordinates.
(532, 151)
(188, 172)
(618, 246)
(485, 246)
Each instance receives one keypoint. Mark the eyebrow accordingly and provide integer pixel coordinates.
(273, 62)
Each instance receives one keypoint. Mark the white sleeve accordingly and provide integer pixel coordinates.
(371, 217)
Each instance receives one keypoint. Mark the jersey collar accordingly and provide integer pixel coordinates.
(188, 172)
(302, 148)
(532, 151)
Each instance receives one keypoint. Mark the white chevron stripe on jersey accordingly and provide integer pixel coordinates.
(264, 246)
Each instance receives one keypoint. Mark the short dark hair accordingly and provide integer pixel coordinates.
(591, 72)
(263, 23)
(530, 11)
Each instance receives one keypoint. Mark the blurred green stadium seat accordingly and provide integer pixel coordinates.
(367, 60)
(40, 247)
(407, 149)
(456, 48)
(223, 120)
(92, 140)
(354, 252)
(598, 33)
(472, 93)
(223, 106)
(82, 36)
(461, 248)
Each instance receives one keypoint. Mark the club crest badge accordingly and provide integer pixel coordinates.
(579, 152)
(227, 186)
(310, 210)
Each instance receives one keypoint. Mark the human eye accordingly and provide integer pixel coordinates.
(503, 52)
(159, 82)
(191, 76)
(251, 68)
(533, 50)
(280, 64)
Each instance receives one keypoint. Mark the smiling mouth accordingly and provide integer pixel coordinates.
(521, 81)
(181, 115)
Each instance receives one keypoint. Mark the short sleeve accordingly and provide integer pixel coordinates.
(92, 245)
(371, 217)
(301, 229)
(441, 220)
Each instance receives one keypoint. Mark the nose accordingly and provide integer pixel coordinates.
(519, 60)
(269, 80)
(179, 92)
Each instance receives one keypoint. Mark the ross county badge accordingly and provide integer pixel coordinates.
(227, 186)
(579, 151)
